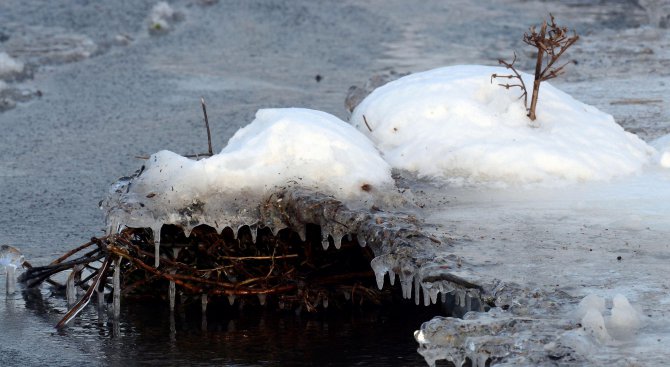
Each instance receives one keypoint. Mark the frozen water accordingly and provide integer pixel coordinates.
(456, 124)
(10, 259)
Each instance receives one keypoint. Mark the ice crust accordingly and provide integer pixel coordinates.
(457, 124)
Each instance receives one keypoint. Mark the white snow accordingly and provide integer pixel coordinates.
(9, 65)
(281, 147)
(453, 124)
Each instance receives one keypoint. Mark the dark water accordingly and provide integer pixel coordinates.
(109, 91)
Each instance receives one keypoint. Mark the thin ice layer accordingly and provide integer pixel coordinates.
(281, 148)
(455, 123)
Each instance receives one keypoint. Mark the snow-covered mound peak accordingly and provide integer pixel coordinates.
(455, 124)
(280, 148)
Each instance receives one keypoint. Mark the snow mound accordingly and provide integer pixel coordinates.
(455, 124)
(280, 148)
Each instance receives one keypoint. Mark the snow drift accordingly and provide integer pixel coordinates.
(280, 148)
(456, 124)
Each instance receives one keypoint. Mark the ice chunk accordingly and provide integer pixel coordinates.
(590, 302)
(10, 258)
(594, 324)
(625, 319)
(453, 124)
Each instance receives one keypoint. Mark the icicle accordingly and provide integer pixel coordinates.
(325, 301)
(70, 290)
(157, 245)
(261, 298)
(433, 295)
(101, 298)
(203, 303)
(187, 231)
(337, 240)
(426, 296)
(254, 233)
(302, 232)
(468, 303)
(10, 280)
(347, 295)
(443, 297)
(417, 289)
(231, 299)
(172, 292)
(461, 296)
(379, 266)
(457, 299)
(325, 243)
(116, 284)
(481, 359)
(362, 241)
(391, 277)
(406, 285)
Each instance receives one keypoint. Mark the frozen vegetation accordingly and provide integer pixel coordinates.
(558, 226)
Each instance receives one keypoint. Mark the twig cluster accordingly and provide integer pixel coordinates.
(296, 273)
(551, 41)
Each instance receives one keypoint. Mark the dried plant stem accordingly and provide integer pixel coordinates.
(209, 134)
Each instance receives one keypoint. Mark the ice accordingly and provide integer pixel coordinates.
(590, 302)
(625, 320)
(70, 290)
(203, 303)
(116, 284)
(594, 325)
(453, 124)
(10, 259)
(261, 298)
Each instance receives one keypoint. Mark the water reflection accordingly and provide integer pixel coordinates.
(149, 333)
